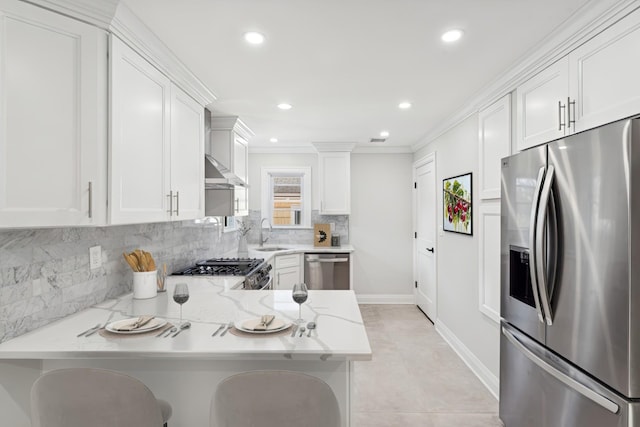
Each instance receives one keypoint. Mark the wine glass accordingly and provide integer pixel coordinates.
(181, 295)
(300, 294)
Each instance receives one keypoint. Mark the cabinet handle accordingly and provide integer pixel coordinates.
(170, 196)
(278, 280)
(430, 250)
(237, 204)
(560, 108)
(90, 199)
(320, 205)
(569, 121)
(177, 196)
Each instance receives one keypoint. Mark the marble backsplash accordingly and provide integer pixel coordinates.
(283, 236)
(45, 274)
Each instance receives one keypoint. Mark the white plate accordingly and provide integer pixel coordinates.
(247, 326)
(155, 323)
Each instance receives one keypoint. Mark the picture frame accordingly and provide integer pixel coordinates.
(321, 235)
(457, 196)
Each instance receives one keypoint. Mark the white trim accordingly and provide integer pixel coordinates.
(309, 149)
(266, 194)
(333, 147)
(385, 299)
(502, 106)
(592, 18)
(487, 209)
(490, 381)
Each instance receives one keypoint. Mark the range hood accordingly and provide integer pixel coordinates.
(219, 177)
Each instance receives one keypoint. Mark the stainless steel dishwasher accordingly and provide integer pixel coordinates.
(327, 271)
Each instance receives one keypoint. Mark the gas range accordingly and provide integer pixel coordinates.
(255, 270)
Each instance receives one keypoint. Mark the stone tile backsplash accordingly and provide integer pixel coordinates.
(292, 236)
(45, 274)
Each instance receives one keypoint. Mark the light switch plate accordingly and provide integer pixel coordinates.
(95, 257)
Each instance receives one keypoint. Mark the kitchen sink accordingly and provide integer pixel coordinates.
(271, 249)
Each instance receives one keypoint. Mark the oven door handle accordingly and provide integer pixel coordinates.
(267, 286)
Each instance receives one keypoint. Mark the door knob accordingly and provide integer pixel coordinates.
(430, 250)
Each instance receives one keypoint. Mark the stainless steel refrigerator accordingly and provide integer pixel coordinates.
(570, 281)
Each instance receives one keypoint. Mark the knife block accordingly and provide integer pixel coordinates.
(145, 284)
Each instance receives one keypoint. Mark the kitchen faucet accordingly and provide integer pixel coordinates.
(270, 229)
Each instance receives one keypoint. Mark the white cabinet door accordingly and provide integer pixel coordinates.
(187, 156)
(241, 161)
(53, 116)
(495, 143)
(288, 271)
(604, 75)
(140, 138)
(541, 103)
(334, 182)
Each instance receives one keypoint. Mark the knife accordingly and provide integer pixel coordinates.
(293, 330)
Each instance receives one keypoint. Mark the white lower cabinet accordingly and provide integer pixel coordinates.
(288, 271)
(53, 119)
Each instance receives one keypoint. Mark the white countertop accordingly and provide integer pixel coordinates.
(292, 249)
(340, 335)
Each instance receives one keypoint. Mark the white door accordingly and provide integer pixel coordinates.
(187, 156)
(541, 104)
(52, 119)
(425, 238)
(140, 138)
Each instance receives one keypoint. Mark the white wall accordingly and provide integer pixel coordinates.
(475, 336)
(380, 224)
(381, 227)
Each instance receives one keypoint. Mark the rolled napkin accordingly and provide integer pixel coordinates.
(135, 324)
(265, 321)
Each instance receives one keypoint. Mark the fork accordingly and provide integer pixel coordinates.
(229, 326)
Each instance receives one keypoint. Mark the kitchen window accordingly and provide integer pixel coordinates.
(286, 197)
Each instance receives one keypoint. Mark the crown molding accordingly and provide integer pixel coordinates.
(309, 149)
(592, 18)
(116, 18)
(386, 149)
(334, 146)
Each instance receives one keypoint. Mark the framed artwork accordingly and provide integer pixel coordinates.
(322, 235)
(456, 197)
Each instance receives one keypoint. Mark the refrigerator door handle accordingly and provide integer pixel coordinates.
(563, 378)
(541, 243)
(532, 243)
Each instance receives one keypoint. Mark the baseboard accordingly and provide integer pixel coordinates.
(477, 367)
(385, 299)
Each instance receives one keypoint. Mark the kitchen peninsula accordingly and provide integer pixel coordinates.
(186, 369)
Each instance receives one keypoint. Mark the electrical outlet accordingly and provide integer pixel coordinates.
(332, 227)
(95, 257)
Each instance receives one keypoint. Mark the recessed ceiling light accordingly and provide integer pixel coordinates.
(253, 37)
(452, 36)
(384, 134)
(285, 106)
(273, 140)
(404, 105)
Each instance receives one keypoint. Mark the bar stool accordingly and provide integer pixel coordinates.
(274, 399)
(83, 397)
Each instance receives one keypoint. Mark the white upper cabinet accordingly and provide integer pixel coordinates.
(604, 75)
(53, 118)
(541, 104)
(140, 139)
(157, 144)
(595, 84)
(187, 155)
(334, 177)
(494, 133)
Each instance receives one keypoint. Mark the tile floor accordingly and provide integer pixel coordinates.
(415, 378)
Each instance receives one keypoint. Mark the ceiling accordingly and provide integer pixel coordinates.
(345, 65)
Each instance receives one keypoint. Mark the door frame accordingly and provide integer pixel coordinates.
(429, 158)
